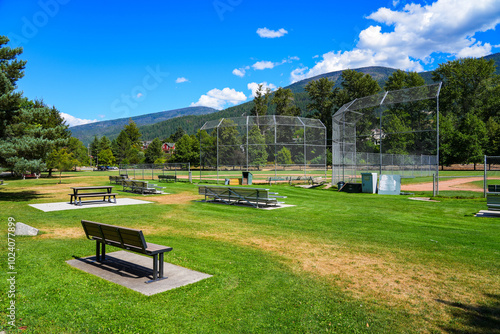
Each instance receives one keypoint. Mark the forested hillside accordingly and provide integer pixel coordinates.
(112, 128)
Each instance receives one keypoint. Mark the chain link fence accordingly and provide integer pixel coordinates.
(271, 145)
(395, 132)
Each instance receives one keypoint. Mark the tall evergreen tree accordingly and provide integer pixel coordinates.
(104, 143)
(94, 149)
(284, 101)
(322, 98)
(29, 130)
(121, 147)
(260, 101)
(133, 134)
(154, 151)
(173, 138)
(11, 70)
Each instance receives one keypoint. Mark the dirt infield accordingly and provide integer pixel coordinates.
(459, 184)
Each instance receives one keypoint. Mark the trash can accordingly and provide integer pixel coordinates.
(369, 182)
(246, 178)
(340, 185)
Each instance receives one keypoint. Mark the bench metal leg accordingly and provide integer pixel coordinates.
(97, 251)
(155, 267)
(158, 265)
(161, 266)
(100, 256)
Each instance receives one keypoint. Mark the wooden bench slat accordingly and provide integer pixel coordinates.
(96, 195)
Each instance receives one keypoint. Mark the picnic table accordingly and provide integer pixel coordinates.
(82, 192)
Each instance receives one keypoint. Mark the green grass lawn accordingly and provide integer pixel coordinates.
(335, 262)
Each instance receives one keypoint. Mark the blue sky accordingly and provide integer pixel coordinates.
(100, 60)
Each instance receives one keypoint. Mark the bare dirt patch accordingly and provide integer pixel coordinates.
(182, 198)
(62, 233)
(382, 277)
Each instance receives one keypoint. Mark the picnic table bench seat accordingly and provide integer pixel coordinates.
(126, 238)
(234, 195)
(97, 194)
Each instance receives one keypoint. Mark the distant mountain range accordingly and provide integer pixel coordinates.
(165, 123)
(112, 128)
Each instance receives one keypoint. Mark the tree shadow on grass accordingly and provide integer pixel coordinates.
(484, 319)
(19, 196)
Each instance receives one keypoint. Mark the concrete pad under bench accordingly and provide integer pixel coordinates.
(132, 271)
(488, 213)
(59, 206)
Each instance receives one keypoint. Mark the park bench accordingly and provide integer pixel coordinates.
(493, 197)
(167, 178)
(141, 187)
(117, 179)
(234, 195)
(126, 238)
(31, 176)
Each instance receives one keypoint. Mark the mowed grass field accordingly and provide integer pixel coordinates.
(335, 262)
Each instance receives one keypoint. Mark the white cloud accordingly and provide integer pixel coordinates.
(262, 65)
(265, 64)
(181, 80)
(475, 51)
(418, 32)
(254, 87)
(268, 33)
(240, 72)
(218, 99)
(74, 121)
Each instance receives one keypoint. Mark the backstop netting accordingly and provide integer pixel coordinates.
(272, 145)
(395, 132)
(151, 171)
